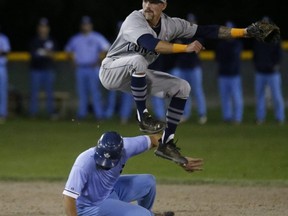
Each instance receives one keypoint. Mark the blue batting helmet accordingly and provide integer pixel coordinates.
(109, 150)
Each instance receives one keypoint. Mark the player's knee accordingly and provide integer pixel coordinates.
(139, 64)
(146, 180)
(150, 180)
(139, 211)
(184, 89)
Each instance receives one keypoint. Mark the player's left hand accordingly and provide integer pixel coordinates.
(194, 164)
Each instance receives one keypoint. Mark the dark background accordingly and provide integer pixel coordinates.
(18, 18)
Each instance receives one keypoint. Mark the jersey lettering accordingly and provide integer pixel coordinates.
(135, 48)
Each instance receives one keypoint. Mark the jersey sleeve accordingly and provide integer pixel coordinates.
(136, 145)
(75, 183)
(180, 28)
(134, 27)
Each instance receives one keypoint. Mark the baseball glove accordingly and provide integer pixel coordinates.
(264, 31)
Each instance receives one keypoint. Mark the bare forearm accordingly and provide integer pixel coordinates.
(164, 47)
(69, 206)
(155, 140)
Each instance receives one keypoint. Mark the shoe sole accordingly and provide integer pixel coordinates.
(160, 154)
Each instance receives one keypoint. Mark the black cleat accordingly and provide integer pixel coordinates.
(150, 125)
(170, 151)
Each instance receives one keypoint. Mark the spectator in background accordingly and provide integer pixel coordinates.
(122, 105)
(4, 50)
(228, 57)
(120, 102)
(42, 48)
(87, 49)
(188, 66)
(267, 59)
(158, 103)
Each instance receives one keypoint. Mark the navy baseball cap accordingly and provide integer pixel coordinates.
(43, 21)
(86, 20)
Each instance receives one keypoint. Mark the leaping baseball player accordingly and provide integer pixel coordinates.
(143, 36)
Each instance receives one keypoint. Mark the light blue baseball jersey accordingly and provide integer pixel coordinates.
(91, 185)
(87, 47)
(4, 47)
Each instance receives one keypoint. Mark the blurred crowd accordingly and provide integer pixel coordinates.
(87, 48)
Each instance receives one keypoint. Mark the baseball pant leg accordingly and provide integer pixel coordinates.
(126, 106)
(260, 83)
(237, 97)
(3, 91)
(276, 89)
(111, 100)
(35, 85)
(140, 188)
(115, 74)
(48, 80)
(224, 91)
(82, 91)
(95, 91)
(195, 80)
(177, 72)
(116, 207)
(158, 107)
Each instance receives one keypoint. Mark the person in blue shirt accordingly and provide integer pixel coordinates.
(228, 58)
(267, 59)
(162, 63)
(121, 103)
(188, 66)
(88, 48)
(96, 187)
(4, 50)
(42, 75)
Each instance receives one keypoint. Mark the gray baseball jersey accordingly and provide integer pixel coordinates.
(125, 56)
(135, 25)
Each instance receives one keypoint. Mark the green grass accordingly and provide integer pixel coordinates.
(45, 150)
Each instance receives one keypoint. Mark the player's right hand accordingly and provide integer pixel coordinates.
(195, 46)
(194, 164)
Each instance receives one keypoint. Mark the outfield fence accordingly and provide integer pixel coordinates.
(18, 68)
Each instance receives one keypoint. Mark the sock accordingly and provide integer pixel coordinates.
(173, 116)
(139, 92)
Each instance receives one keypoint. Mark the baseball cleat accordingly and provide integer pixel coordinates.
(150, 125)
(171, 152)
(168, 213)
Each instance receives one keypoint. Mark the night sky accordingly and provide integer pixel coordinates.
(18, 18)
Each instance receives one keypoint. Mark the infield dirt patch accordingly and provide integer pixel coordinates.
(45, 198)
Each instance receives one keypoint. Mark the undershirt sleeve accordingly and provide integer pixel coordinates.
(207, 31)
(148, 41)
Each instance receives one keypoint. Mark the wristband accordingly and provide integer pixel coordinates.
(179, 48)
(237, 32)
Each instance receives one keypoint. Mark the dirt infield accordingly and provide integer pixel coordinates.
(44, 198)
